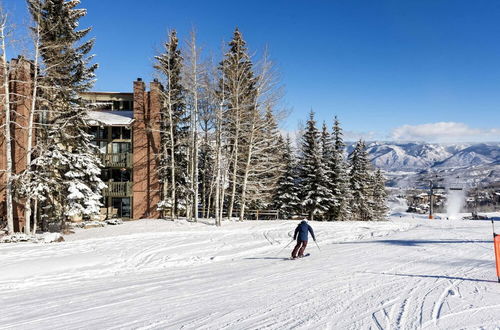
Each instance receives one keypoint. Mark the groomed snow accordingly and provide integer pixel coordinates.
(406, 273)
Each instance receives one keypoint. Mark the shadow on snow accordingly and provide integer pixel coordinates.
(433, 276)
(418, 242)
(266, 258)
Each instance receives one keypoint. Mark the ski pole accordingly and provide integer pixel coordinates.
(317, 245)
(285, 246)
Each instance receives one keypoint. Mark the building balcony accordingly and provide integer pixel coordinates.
(118, 189)
(117, 160)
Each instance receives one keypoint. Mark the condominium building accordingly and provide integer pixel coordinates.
(125, 127)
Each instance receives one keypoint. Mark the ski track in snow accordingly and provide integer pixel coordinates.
(152, 274)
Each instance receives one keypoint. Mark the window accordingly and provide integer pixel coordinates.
(125, 133)
(120, 133)
(121, 147)
(126, 105)
(120, 175)
(103, 147)
(116, 133)
(93, 131)
(123, 206)
(104, 175)
(106, 105)
(99, 133)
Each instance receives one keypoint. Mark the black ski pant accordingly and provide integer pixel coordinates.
(298, 250)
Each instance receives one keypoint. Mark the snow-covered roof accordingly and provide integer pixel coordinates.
(111, 118)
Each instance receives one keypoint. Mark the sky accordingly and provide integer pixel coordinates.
(426, 70)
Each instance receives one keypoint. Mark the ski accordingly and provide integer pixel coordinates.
(305, 255)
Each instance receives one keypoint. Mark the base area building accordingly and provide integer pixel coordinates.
(125, 127)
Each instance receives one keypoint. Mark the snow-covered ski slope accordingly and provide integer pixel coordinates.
(407, 273)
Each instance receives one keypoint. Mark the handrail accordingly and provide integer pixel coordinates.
(116, 160)
(118, 189)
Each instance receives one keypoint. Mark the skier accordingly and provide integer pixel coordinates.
(301, 231)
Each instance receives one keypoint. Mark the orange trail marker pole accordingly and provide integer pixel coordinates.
(496, 243)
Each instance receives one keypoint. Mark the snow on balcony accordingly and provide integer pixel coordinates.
(111, 118)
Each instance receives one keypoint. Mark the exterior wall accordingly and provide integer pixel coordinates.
(21, 89)
(146, 139)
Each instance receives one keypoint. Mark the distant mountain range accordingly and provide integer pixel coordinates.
(412, 164)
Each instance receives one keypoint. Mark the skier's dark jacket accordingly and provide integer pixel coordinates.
(301, 231)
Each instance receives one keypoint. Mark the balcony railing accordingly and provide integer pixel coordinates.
(118, 189)
(116, 160)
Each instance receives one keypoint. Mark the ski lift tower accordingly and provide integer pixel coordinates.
(432, 187)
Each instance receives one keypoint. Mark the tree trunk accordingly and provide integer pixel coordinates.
(235, 171)
(172, 160)
(8, 145)
(247, 170)
(29, 147)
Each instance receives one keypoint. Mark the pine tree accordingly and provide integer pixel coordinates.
(238, 85)
(380, 208)
(360, 177)
(315, 194)
(339, 177)
(286, 198)
(65, 173)
(266, 166)
(174, 126)
(207, 154)
(326, 145)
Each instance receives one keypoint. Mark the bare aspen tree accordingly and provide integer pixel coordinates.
(207, 122)
(34, 93)
(219, 187)
(192, 75)
(6, 104)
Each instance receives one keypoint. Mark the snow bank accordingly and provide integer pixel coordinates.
(38, 238)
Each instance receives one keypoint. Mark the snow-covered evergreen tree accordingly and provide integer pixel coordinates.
(286, 198)
(326, 145)
(238, 85)
(174, 126)
(360, 182)
(65, 173)
(315, 193)
(339, 177)
(266, 166)
(380, 208)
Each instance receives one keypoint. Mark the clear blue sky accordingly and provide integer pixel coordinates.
(378, 65)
